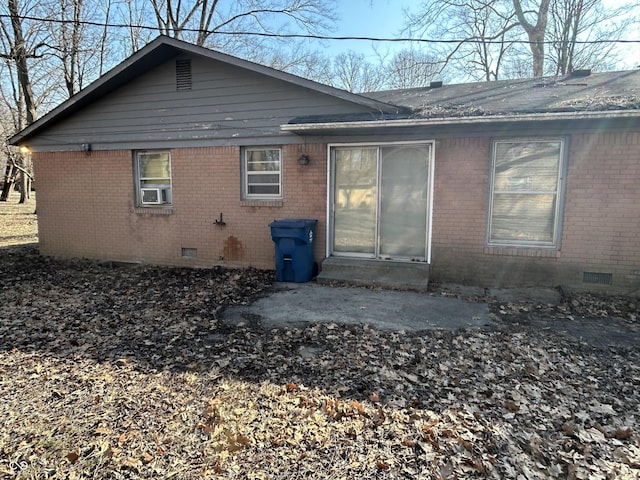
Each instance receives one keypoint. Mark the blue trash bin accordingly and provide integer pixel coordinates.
(294, 238)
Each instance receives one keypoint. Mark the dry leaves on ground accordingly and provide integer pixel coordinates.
(129, 373)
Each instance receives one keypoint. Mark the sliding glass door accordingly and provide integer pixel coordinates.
(381, 201)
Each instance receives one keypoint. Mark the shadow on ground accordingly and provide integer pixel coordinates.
(236, 321)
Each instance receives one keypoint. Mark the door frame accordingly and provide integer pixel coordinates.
(331, 194)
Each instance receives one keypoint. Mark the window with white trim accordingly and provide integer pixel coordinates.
(153, 178)
(262, 173)
(526, 192)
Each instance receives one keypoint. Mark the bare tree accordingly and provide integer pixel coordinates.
(133, 15)
(16, 163)
(485, 38)
(104, 35)
(352, 72)
(573, 21)
(200, 20)
(18, 50)
(297, 59)
(411, 68)
(478, 34)
(78, 39)
(66, 36)
(536, 30)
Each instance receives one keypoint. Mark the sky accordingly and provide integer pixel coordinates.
(369, 18)
(384, 18)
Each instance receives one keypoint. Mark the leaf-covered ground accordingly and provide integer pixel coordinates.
(112, 373)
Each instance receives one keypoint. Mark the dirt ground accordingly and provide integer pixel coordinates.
(131, 373)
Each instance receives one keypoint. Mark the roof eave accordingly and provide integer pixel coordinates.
(310, 128)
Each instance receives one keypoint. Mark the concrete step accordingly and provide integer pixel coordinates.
(384, 273)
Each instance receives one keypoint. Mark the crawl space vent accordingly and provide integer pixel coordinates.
(597, 278)
(189, 252)
(183, 75)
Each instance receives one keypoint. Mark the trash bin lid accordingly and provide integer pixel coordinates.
(293, 223)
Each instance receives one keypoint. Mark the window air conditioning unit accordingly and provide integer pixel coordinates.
(154, 196)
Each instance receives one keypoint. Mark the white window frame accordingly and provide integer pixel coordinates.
(246, 184)
(558, 192)
(148, 182)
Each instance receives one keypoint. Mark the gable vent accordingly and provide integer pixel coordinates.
(597, 277)
(183, 74)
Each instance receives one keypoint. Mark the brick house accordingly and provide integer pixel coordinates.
(183, 156)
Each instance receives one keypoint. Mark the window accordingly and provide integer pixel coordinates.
(153, 178)
(262, 168)
(526, 186)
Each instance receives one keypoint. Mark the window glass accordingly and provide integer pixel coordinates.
(355, 199)
(155, 167)
(153, 171)
(523, 217)
(525, 192)
(262, 172)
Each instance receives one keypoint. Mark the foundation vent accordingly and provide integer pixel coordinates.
(183, 74)
(189, 252)
(597, 278)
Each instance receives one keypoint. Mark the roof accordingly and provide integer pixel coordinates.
(165, 48)
(581, 91)
(581, 95)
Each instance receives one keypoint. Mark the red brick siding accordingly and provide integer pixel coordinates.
(87, 207)
(601, 218)
(602, 206)
(460, 194)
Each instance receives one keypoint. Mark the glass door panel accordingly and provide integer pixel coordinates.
(355, 200)
(404, 184)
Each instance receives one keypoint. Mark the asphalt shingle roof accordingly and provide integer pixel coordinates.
(590, 92)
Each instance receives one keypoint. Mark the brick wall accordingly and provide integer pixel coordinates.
(86, 207)
(459, 206)
(600, 231)
(602, 207)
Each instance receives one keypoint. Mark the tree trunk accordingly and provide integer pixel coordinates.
(23, 185)
(9, 178)
(536, 33)
(20, 57)
(23, 181)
